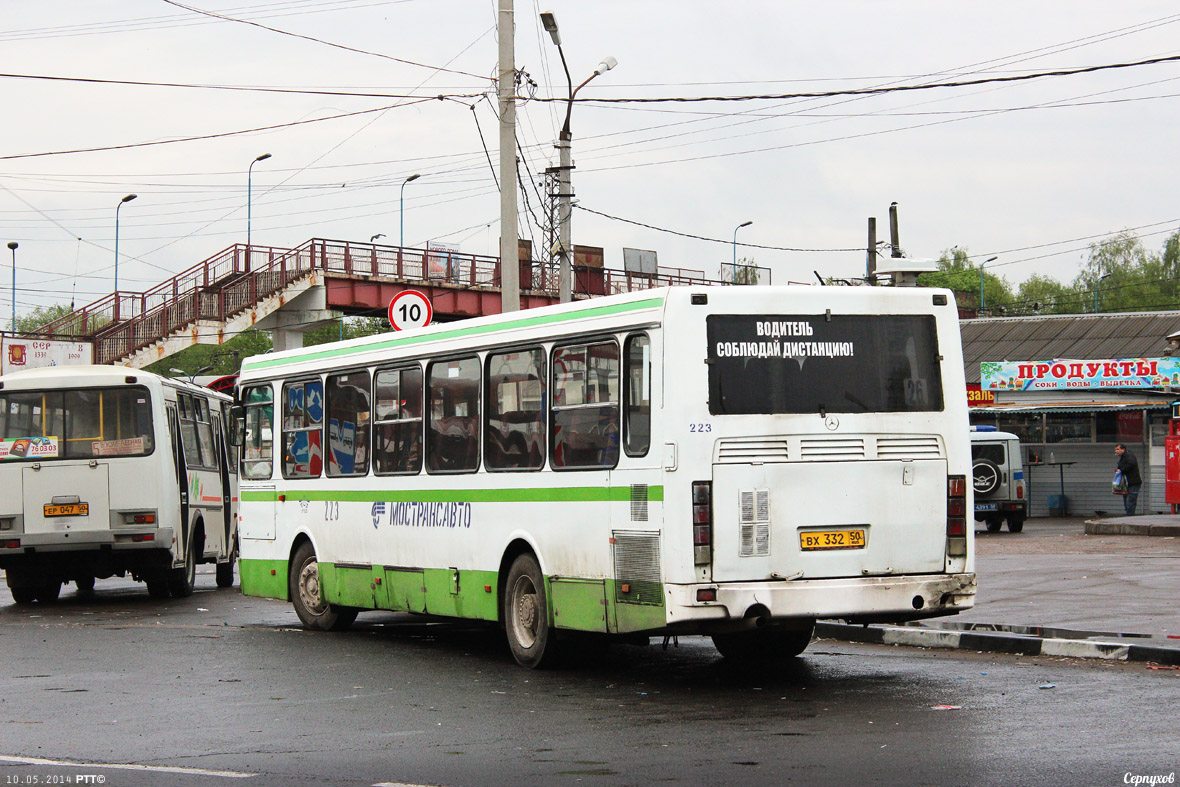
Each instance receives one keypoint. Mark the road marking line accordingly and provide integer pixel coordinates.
(401, 784)
(126, 767)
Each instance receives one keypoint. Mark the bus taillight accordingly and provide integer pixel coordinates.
(956, 515)
(702, 522)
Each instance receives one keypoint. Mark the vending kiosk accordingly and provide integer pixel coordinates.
(1172, 459)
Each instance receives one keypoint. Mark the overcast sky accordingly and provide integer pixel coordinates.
(1028, 171)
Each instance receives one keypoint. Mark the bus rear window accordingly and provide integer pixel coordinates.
(770, 364)
(75, 424)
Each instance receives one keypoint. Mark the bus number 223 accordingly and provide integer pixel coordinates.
(700, 427)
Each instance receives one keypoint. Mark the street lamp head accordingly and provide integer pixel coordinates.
(990, 259)
(415, 176)
(13, 245)
(607, 64)
(263, 157)
(549, 22)
(128, 198)
(745, 224)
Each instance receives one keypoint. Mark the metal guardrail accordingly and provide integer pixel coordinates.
(237, 278)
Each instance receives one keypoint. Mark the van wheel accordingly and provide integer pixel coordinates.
(1015, 524)
(526, 615)
(85, 584)
(225, 573)
(181, 580)
(994, 524)
(24, 596)
(307, 596)
(48, 593)
(764, 645)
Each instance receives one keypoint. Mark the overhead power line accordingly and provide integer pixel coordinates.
(870, 91)
(726, 241)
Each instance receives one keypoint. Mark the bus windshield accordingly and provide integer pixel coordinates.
(75, 424)
(770, 364)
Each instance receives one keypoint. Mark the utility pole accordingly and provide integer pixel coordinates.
(894, 240)
(871, 253)
(509, 251)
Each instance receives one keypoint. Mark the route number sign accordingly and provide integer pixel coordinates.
(410, 309)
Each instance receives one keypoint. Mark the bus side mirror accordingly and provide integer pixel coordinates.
(237, 431)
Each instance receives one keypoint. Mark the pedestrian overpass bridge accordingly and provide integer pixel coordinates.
(290, 291)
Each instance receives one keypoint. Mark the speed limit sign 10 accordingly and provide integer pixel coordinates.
(410, 309)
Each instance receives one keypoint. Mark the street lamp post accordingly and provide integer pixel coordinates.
(401, 220)
(565, 191)
(1100, 280)
(249, 193)
(12, 245)
(735, 229)
(985, 262)
(122, 202)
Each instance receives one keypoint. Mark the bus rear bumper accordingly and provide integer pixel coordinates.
(854, 599)
(25, 544)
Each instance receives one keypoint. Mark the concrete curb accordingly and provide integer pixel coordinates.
(1100, 528)
(996, 642)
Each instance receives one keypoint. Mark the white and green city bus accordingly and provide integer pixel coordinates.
(731, 461)
(110, 471)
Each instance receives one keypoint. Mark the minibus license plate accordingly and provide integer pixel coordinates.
(68, 509)
(832, 539)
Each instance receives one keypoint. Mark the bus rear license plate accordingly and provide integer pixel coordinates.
(832, 539)
(68, 509)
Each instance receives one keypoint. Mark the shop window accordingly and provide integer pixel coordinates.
(1029, 427)
(1069, 428)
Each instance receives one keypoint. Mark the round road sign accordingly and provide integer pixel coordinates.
(410, 309)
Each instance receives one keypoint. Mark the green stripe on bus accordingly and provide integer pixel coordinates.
(569, 494)
(402, 341)
(265, 578)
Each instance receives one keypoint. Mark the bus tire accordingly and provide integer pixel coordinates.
(764, 645)
(182, 580)
(85, 584)
(526, 615)
(158, 588)
(225, 574)
(307, 595)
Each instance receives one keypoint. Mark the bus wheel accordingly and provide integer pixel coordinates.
(764, 645)
(48, 592)
(181, 580)
(225, 573)
(307, 596)
(85, 584)
(157, 588)
(526, 615)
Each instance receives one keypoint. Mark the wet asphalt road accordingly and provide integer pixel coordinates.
(226, 689)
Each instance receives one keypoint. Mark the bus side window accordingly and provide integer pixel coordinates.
(637, 393)
(258, 445)
(515, 429)
(205, 432)
(303, 417)
(348, 424)
(188, 430)
(397, 438)
(585, 424)
(452, 439)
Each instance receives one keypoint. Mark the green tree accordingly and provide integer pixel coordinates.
(31, 321)
(746, 272)
(1045, 295)
(958, 273)
(223, 359)
(346, 328)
